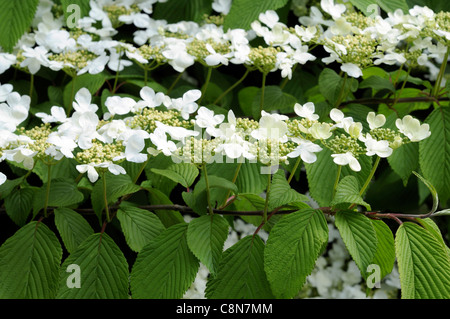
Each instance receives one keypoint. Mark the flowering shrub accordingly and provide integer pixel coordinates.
(303, 119)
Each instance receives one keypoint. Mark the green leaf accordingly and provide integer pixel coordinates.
(29, 263)
(103, 269)
(167, 217)
(241, 272)
(291, 251)
(274, 100)
(347, 191)
(331, 86)
(165, 268)
(404, 160)
(62, 193)
(176, 11)
(359, 236)
(244, 12)
(64, 169)
(246, 97)
(206, 236)
(138, 225)
(377, 83)
(116, 186)
(435, 5)
(72, 227)
(19, 204)
(385, 254)
(181, 173)
(423, 263)
(433, 152)
(371, 7)
(281, 193)
(16, 18)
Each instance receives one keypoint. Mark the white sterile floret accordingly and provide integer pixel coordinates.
(134, 145)
(96, 65)
(5, 90)
(34, 58)
(90, 169)
(6, 61)
(159, 139)
(347, 159)
(150, 99)
(271, 126)
(176, 53)
(334, 10)
(2, 178)
(83, 103)
(374, 147)
(216, 58)
(375, 121)
(206, 118)
(306, 150)
(57, 114)
(320, 131)
(14, 111)
(412, 128)
(119, 105)
(306, 110)
(63, 144)
(339, 118)
(269, 18)
(186, 104)
(21, 154)
(352, 70)
(222, 6)
(175, 132)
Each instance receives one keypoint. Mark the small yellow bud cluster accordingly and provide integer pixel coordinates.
(154, 53)
(360, 49)
(359, 20)
(394, 138)
(114, 11)
(341, 144)
(214, 19)
(264, 59)
(146, 120)
(272, 151)
(100, 152)
(197, 48)
(39, 136)
(441, 23)
(73, 60)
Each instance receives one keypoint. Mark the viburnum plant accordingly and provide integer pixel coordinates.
(119, 118)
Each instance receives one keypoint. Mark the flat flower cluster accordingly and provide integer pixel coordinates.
(178, 128)
(417, 39)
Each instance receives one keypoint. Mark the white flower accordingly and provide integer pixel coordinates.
(354, 129)
(82, 102)
(341, 121)
(159, 139)
(57, 114)
(91, 171)
(306, 110)
(321, 131)
(222, 6)
(271, 126)
(2, 178)
(115, 62)
(14, 111)
(34, 58)
(186, 104)
(347, 159)
(5, 90)
(334, 10)
(380, 148)
(305, 150)
(269, 18)
(352, 70)
(112, 130)
(175, 132)
(63, 144)
(412, 128)
(6, 61)
(216, 58)
(119, 105)
(206, 118)
(21, 154)
(134, 145)
(176, 52)
(375, 121)
(150, 99)
(96, 65)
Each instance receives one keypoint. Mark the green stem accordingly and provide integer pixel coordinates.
(172, 86)
(297, 163)
(401, 89)
(369, 178)
(263, 87)
(236, 173)
(437, 85)
(208, 195)
(205, 86)
(338, 177)
(116, 79)
(266, 202)
(72, 96)
(31, 85)
(232, 87)
(341, 93)
(105, 198)
(145, 76)
(47, 193)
